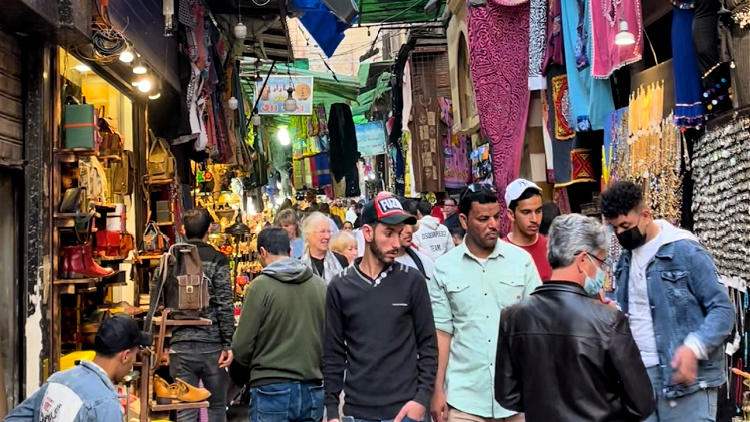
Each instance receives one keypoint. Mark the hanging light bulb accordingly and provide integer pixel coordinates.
(258, 78)
(240, 31)
(290, 105)
(145, 85)
(283, 136)
(82, 68)
(127, 55)
(233, 103)
(157, 93)
(256, 118)
(139, 68)
(624, 37)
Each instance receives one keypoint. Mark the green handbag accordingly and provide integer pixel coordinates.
(80, 128)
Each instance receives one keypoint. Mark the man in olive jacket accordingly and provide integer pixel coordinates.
(279, 334)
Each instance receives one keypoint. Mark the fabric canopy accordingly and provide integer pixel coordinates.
(395, 11)
(321, 23)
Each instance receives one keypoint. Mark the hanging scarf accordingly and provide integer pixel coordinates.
(590, 99)
(331, 265)
(606, 15)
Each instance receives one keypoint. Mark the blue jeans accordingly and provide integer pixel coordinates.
(699, 406)
(287, 402)
(195, 367)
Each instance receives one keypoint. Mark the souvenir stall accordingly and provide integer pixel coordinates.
(721, 206)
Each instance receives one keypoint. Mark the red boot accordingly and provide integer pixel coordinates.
(64, 262)
(82, 263)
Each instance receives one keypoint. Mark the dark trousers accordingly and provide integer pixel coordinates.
(195, 367)
(287, 402)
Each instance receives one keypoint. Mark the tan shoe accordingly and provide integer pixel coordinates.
(188, 393)
(165, 393)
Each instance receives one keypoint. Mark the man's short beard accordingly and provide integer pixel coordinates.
(378, 253)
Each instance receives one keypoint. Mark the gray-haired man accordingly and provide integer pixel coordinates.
(562, 351)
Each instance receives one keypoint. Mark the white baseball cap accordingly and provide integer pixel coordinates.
(516, 188)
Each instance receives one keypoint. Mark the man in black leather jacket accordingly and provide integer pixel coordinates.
(563, 355)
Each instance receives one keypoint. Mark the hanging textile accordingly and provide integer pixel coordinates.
(606, 15)
(457, 171)
(547, 136)
(428, 161)
(537, 43)
(590, 99)
(499, 60)
(560, 198)
(615, 129)
(688, 93)
(342, 145)
(735, 45)
(572, 152)
(554, 52)
(321, 171)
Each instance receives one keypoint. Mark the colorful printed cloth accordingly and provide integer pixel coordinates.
(590, 99)
(605, 24)
(457, 172)
(537, 43)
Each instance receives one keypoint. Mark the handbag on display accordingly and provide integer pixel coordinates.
(123, 174)
(93, 176)
(80, 126)
(112, 142)
(72, 200)
(161, 164)
(154, 240)
(107, 243)
(127, 243)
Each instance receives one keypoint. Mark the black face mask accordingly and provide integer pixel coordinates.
(632, 238)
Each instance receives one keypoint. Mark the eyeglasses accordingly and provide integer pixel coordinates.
(478, 187)
(604, 264)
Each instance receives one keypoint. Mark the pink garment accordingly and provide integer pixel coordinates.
(457, 171)
(499, 56)
(605, 24)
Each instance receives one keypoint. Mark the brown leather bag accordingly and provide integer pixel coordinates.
(161, 164)
(179, 281)
(154, 240)
(127, 243)
(123, 174)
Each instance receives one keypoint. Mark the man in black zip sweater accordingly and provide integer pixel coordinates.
(379, 328)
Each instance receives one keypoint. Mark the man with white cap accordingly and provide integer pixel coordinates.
(524, 201)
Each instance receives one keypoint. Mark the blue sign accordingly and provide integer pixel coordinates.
(371, 139)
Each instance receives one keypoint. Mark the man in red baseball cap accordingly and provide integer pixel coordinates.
(382, 309)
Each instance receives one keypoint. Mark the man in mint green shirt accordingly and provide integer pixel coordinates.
(472, 283)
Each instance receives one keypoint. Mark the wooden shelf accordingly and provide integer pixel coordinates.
(166, 223)
(70, 155)
(149, 257)
(177, 406)
(111, 258)
(103, 207)
(110, 157)
(66, 281)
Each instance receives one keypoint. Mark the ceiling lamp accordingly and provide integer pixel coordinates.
(624, 37)
(145, 85)
(82, 68)
(157, 94)
(139, 68)
(240, 31)
(283, 136)
(256, 118)
(290, 105)
(127, 55)
(258, 78)
(233, 103)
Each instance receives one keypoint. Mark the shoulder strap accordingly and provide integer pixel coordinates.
(163, 272)
(414, 257)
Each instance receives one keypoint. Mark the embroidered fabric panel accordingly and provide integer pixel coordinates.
(605, 24)
(561, 107)
(500, 34)
(537, 43)
(582, 168)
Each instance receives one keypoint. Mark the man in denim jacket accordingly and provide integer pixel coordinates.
(679, 312)
(87, 393)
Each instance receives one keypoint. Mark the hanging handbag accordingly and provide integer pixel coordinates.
(80, 126)
(154, 241)
(160, 164)
(72, 200)
(127, 243)
(107, 243)
(123, 175)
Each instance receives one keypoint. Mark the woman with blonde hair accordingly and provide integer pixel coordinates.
(287, 220)
(317, 255)
(344, 243)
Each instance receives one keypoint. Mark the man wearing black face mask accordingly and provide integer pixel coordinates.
(679, 312)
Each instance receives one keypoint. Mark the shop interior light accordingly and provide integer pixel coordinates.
(139, 68)
(127, 55)
(82, 68)
(283, 136)
(290, 104)
(145, 85)
(155, 96)
(240, 31)
(233, 103)
(624, 37)
(256, 118)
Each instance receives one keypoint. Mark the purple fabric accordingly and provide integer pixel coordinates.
(500, 35)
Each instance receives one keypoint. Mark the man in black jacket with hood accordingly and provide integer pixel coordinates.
(564, 355)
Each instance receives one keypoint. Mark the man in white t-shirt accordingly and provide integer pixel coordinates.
(432, 238)
(411, 257)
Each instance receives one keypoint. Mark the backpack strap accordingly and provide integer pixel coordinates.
(414, 257)
(163, 272)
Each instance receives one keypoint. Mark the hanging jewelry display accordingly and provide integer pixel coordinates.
(721, 201)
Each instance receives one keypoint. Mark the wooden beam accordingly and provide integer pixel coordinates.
(654, 10)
